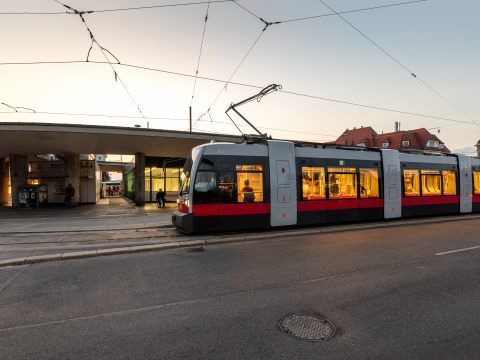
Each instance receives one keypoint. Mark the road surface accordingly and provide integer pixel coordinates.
(393, 293)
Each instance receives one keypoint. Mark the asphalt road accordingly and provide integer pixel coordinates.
(386, 290)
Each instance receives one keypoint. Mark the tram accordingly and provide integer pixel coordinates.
(272, 183)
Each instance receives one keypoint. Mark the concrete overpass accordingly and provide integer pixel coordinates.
(18, 140)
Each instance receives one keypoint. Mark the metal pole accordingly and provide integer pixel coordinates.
(190, 119)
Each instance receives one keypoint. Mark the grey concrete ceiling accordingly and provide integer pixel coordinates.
(34, 138)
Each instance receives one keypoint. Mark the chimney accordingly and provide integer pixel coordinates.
(397, 126)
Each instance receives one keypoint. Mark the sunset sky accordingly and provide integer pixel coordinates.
(438, 40)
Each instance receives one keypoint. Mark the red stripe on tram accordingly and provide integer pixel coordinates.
(430, 200)
(338, 204)
(231, 209)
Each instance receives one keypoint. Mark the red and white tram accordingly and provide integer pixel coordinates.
(280, 183)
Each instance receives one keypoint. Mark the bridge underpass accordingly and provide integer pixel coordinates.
(18, 141)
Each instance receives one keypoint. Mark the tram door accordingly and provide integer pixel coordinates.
(283, 193)
(466, 184)
(392, 178)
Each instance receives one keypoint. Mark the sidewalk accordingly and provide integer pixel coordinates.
(141, 240)
(109, 214)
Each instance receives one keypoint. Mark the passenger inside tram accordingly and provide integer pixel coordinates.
(411, 180)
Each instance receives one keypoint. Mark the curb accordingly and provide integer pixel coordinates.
(145, 227)
(227, 239)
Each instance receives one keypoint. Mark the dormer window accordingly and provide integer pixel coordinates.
(385, 145)
(442, 146)
(361, 144)
(433, 143)
(405, 143)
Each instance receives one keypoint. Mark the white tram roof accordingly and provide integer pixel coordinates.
(475, 161)
(235, 149)
(310, 152)
(248, 149)
(428, 159)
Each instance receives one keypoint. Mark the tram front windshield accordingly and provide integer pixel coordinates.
(185, 176)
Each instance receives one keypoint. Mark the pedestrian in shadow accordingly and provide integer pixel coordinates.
(161, 198)
(69, 193)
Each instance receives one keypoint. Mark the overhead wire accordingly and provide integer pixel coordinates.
(200, 52)
(161, 6)
(351, 11)
(254, 86)
(276, 129)
(382, 49)
(266, 25)
(15, 108)
(247, 10)
(227, 82)
(375, 107)
(92, 115)
(103, 50)
(116, 9)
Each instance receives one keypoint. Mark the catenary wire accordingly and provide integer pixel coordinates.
(103, 50)
(224, 87)
(93, 115)
(200, 53)
(269, 128)
(253, 86)
(397, 61)
(351, 11)
(116, 9)
(248, 11)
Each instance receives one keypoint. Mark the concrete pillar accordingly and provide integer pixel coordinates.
(3, 181)
(72, 174)
(140, 179)
(18, 174)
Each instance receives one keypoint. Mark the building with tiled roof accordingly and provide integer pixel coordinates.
(418, 139)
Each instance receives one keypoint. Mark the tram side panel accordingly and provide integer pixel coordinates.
(392, 184)
(283, 187)
(465, 183)
(338, 186)
(475, 181)
(430, 185)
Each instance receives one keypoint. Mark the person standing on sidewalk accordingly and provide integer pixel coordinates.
(69, 193)
(161, 198)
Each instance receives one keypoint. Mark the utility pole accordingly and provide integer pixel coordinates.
(190, 118)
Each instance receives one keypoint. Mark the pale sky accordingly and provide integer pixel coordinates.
(437, 39)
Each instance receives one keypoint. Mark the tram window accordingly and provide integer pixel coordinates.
(226, 187)
(206, 164)
(449, 182)
(476, 182)
(411, 180)
(205, 187)
(342, 183)
(249, 167)
(249, 183)
(369, 184)
(313, 183)
(431, 183)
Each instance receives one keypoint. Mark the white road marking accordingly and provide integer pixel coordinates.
(458, 250)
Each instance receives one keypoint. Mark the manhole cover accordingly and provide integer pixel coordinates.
(311, 327)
